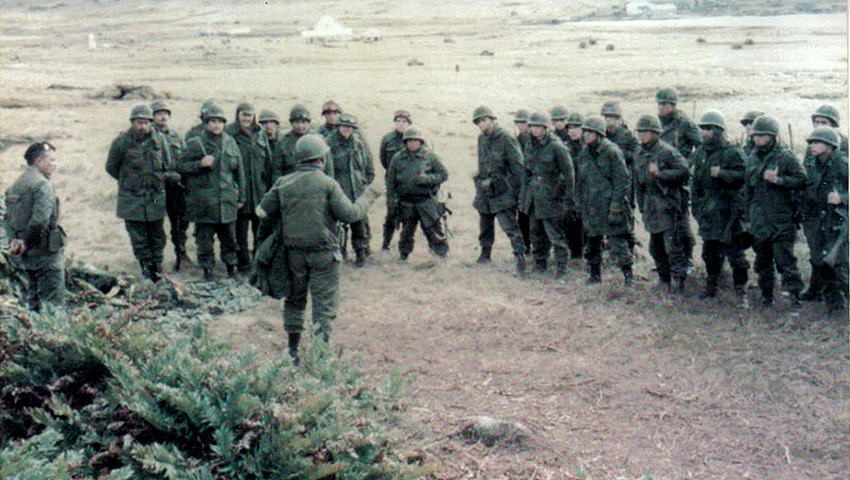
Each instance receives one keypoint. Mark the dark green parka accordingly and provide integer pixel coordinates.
(212, 194)
(283, 157)
(628, 143)
(717, 202)
(660, 198)
(680, 132)
(772, 207)
(353, 168)
(603, 189)
(548, 190)
(139, 164)
(825, 176)
(391, 144)
(32, 216)
(415, 178)
(497, 182)
(256, 164)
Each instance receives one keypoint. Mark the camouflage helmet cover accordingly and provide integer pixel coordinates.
(141, 112)
(594, 123)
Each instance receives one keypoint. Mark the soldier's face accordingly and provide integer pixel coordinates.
(215, 126)
(141, 126)
(271, 128)
(574, 131)
(818, 148)
(300, 126)
(413, 145)
(346, 131)
(485, 124)
(666, 108)
(612, 121)
(331, 115)
(537, 131)
(47, 162)
(821, 122)
(646, 136)
(521, 127)
(589, 136)
(708, 134)
(246, 118)
(762, 140)
(161, 117)
(560, 124)
(401, 124)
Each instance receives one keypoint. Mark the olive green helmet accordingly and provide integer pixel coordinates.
(648, 123)
(575, 120)
(611, 109)
(765, 125)
(482, 112)
(667, 95)
(214, 111)
(751, 116)
(310, 147)
(559, 112)
(413, 133)
(206, 105)
(299, 112)
(401, 113)
(713, 118)
(594, 123)
(160, 106)
(539, 119)
(829, 112)
(347, 120)
(522, 116)
(268, 116)
(141, 112)
(826, 135)
(329, 106)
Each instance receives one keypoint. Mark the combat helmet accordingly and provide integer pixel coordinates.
(403, 114)
(751, 116)
(141, 112)
(539, 119)
(667, 95)
(829, 112)
(309, 147)
(648, 123)
(713, 118)
(347, 120)
(611, 108)
(268, 116)
(595, 123)
(413, 133)
(825, 135)
(214, 111)
(326, 108)
(522, 116)
(160, 106)
(299, 112)
(206, 105)
(482, 112)
(559, 112)
(575, 120)
(765, 125)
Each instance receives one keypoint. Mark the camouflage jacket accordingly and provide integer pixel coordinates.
(603, 189)
(32, 216)
(772, 208)
(498, 181)
(139, 164)
(283, 157)
(353, 168)
(524, 138)
(549, 184)
(414, 177)
(391, 144)
(680, 132)
(212, 194)
(717, 202)
(825, 176)
(193, 131)
(256, 164)
(661, 198)
(173, 141)
(625, 139)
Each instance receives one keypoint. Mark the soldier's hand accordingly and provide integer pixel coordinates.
(17, 247)
(378, 189)
(653, 169)
(771, 176)
(715, 171)
(208, 161)
(834, 198)
(422, 179)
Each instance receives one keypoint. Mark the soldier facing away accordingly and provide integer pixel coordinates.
(391, 144)
(140, 159)
(308, 204)
(497, 186)
(32, 225)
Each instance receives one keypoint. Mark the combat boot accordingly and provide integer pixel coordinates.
(767, 298)
(244, 268)
(680, 285)
(485, 255)
(520, 264)
(560, 270)
(628, 276)
(540, 266)
(208, 274)
(182, 260)
(231, 271)
(711, 283)
(360, 258)
(153, 272)
(595, 274)
(294, 340)
(795, 300)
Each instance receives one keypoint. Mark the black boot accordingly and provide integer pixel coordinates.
(560, 270)
(540, 266)
(153, 272)
(628, 277)
(711, 283)
(294, 340)
(680, 285)
(231, 271)
(360, 258)
(767, 297)
(595, 274)
(177, 263)
(520, 264)
(208, 274)
(485, 255)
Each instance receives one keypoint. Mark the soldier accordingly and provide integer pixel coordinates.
(773, 176)
(31, 224)
(215, 180)
(497, 186)
(413, 181)
(603, 191)
(718, 178)
(256, 165)
(198, 128)
(139, 159)
(618, 132)
(354, 172)
(283, 157)
(827, 116)
(559, 121)
(747, 123)
(661, 174)
(825, 212)
(523, 136)
(547, 193)
(572, 225)
(308, 204)
(331, 111)
(270, 122)
(175, 193)
(391, 144)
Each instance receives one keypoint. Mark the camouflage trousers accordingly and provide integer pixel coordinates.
(508, 221)
(618, 245)
(148, 241)
(547, 233)
(669, 250)
(361, 234)
(46, 286)
(778, 253)
(204, 238)
(434, 231)
(715, 252)
(316, 272)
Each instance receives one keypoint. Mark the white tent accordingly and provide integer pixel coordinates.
(328, 29)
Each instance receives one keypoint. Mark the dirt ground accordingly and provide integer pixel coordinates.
(612, 383)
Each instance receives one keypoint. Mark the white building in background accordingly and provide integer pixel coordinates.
(328, 29)
(643, 8)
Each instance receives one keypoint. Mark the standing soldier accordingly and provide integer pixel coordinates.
(523, 136)
(827, 116)
(547, 194)
(215, 180)
(497, 186)
(354, 172)
(573, 226)
(391, 144)
(747, 123)
(256, 165)
(31, 223)
(661, 174)
(331, 111)
(559, 121)
(198, 128)
(774, 175)
(825, 212)
(603, 192)
(617, 131)
(413, 181)
(270, 122)
(718, 178)
(283, 157)
(308, 204)
(139, 159)
(175, 192)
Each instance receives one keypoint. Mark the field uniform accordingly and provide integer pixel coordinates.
(391, 144)
(353, 170)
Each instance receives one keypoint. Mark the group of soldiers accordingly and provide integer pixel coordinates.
(562, 183)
